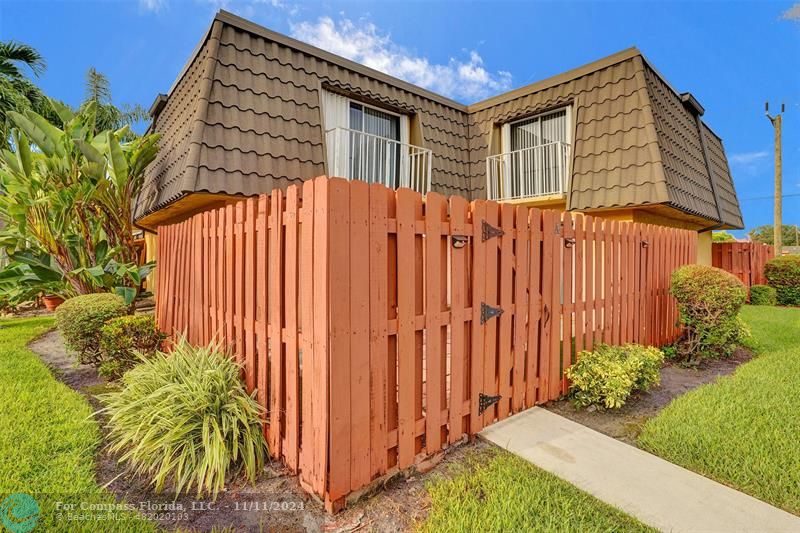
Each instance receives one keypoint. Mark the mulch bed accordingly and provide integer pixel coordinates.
(626, 423)
(276, 502)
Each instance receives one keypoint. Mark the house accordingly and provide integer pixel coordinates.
(254, 110)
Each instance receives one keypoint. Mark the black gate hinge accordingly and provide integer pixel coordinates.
(488, 231)
(488, 312)
(485, 402)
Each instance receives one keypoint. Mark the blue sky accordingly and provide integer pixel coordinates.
(731, 56)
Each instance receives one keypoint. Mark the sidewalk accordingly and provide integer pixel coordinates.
(657, 492)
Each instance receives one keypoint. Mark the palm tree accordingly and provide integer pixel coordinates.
(17, 92)
(109, 116)
(12, 54)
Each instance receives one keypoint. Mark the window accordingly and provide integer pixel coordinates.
(371, 157)
(369, 144)
(537, 154)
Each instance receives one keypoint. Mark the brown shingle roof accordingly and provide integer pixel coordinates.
(245, 117)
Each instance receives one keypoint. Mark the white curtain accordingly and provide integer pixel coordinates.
(335, 109)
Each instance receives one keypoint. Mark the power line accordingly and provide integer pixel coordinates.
(769, 197)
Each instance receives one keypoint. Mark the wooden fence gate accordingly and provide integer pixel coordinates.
(745, 260)
(377, 328)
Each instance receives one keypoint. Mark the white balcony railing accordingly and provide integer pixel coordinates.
(528, 173)
(356, 155)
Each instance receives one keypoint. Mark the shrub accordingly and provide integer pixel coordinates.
(125, 340)
(709, 300)
(763, 295)
(609, 374)
(185, 419)
(783, 274)
(79, 319)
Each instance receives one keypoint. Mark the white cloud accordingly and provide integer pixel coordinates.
(748, 158)
(793, 13)
(152, 5)
(364, 43)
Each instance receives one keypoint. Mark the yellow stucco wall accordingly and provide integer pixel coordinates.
(704, 248)
(150, 243)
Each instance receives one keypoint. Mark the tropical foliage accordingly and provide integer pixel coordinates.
(17, 92)
(68, 200)
(185, 419)
(107, 115)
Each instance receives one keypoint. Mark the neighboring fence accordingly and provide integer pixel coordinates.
(378, 328)
(745, 260)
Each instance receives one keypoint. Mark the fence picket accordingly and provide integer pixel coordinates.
(291, 303)
(478, 287)
(406, 330)
(250, 267)
(276, 367)
(549, 313)
(379, 338)
(567, 283)
(458, 316)
(521, 264)
(535, 302)
(435, 211)
(504, 353)
(589, 288)
(307, 313)
(490, 298)
(262, 302)
(360, 461)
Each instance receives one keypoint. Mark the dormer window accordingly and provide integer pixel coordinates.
(534, 157)
(367, 143)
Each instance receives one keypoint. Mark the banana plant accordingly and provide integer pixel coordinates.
(28, 276)
(69, 193)
(123, 279)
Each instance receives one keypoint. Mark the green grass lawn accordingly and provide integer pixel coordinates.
(743, 430)
(47, 437)
(497, 491)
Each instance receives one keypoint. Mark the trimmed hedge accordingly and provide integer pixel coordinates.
(783, 274)
(80, 318)
(763, 295)
(125, 341)
(709, 300)
(609, 374)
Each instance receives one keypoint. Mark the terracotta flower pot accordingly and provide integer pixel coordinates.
(52, 302)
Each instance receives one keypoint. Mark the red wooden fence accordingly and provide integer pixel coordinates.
(745, 260)
(378, 328)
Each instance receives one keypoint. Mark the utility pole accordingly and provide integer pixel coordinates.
(778, 225)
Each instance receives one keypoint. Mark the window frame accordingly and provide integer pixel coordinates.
(505, 137)
(402, 119)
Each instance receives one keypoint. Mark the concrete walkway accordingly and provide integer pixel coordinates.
(657, 492)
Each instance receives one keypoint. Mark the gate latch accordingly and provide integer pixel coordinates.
(485, 402)
(488, 312)
(488, 231)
